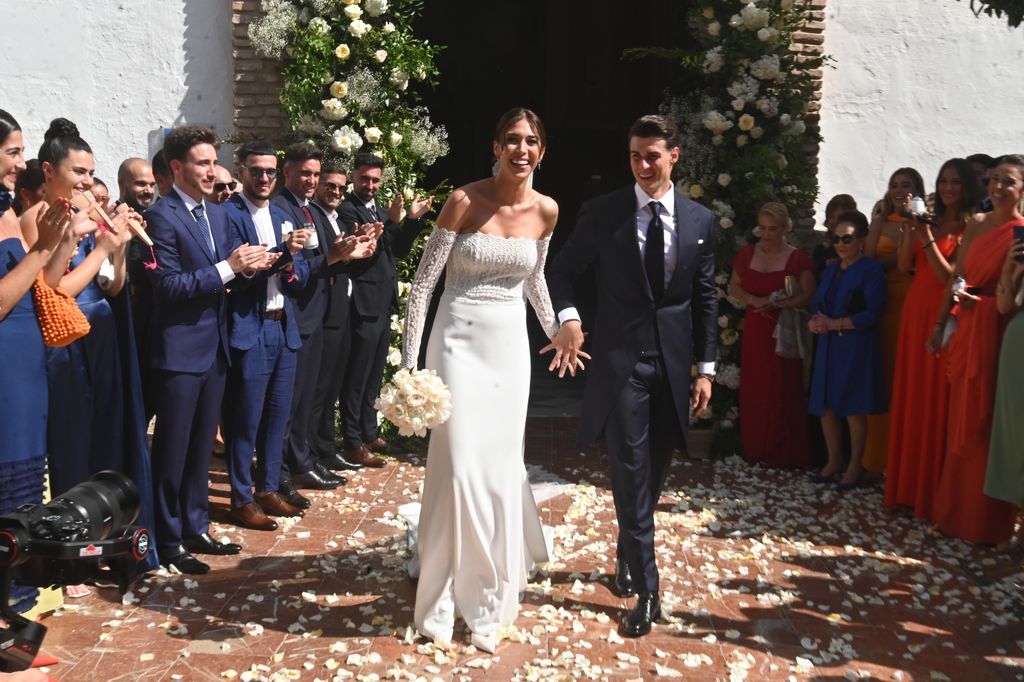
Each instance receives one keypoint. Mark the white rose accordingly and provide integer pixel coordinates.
(394, 357)
(409, 194)
(725, 223)
(785, 119)
(724, 179)
(714, 28)
(746, 122)
(767, 34)
(333, 109)
(395, 139)
(328, 78)
(739, 103)
(795, 128)
(756, 132)
(353, 12)
(754, 17)
(399, 79)
(380, 55)
(319, 25)
(696, 191)
(735, 21)
(358, 28)
(340, 141)
(342, 52)
(339, 89)
(420, 73)
(388, 27)
(741, 140)
(375, 8)
(372, 134)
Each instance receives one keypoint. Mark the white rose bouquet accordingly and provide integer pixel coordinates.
(415, 401)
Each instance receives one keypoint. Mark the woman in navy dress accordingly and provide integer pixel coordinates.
(846, 382)
(94, 381)
(23, 402)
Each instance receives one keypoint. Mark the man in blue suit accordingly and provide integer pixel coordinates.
(264, 339)
(653, 253)
(197, 255)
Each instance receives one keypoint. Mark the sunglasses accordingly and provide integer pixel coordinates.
(219, 187)
(334, 187)
(846, 238)
(257, 172)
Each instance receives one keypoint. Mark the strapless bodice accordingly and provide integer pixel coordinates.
(487, 268)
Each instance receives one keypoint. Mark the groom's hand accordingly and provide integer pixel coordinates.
(567, 344)
(701, 395)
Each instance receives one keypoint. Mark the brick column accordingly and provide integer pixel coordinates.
(810, 43)
(257, 80)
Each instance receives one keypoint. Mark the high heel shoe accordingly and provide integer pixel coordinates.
(818, 477)
(486, 643)
(846, 487)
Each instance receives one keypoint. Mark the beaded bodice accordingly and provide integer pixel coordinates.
(482, 268)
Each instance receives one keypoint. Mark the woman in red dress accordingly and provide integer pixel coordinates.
(773, 404)
(920, 393)
(961, 507)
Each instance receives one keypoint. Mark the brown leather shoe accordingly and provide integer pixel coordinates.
(251, 516)
(364, 457)
(377, 445)
(274, 504)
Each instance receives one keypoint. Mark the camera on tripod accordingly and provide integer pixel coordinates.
(62, 543)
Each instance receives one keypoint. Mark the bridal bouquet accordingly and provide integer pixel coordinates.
(415, 401)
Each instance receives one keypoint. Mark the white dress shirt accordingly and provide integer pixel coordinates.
(223, 269)
(265, 231)
(642, 219)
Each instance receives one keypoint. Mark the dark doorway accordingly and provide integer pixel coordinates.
(564, 60)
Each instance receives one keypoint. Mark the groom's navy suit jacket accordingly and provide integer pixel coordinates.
(686, 317)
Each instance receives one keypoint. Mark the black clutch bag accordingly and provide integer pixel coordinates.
(855, 302)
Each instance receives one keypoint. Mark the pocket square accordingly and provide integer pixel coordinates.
(700, 241)
(286, 226)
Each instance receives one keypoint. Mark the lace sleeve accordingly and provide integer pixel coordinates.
(536, 288)
(432, 262)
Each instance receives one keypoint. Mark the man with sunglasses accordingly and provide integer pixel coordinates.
(223, 185)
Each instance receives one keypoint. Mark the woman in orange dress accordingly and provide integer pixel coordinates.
(961, 507)
(772, 398)
(884, 240)
(920, 392)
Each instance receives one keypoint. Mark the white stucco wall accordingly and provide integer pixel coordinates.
(120, 69)
(914, 83)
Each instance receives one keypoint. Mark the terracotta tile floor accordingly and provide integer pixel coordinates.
(766, 577)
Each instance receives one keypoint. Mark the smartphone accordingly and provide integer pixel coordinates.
(1018, 236)
(920, 217)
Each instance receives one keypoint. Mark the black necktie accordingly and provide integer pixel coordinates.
(654, 255)
(373, 211)
(204, 226)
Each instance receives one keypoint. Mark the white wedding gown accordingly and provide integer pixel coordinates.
(480, 532)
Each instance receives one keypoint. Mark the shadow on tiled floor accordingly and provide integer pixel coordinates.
(765, 576)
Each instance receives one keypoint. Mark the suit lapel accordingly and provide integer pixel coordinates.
(191, 225)
(624, 218)
(688, 242)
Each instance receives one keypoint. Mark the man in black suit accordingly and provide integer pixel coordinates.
(324, 255)
(374, 292)
(653, 252)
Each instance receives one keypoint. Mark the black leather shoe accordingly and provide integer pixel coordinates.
(205, 544)
(312, 480)
(647, 610)
(185, 562)
(337, 462)
(291, 493)
(623, 585)
(328, 474)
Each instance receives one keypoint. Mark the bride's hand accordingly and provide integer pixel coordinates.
(567, 344)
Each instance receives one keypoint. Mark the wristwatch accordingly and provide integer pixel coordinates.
(706, 375)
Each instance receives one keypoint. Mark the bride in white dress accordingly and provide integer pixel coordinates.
(479, 529)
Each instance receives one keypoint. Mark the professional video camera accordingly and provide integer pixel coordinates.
(62, 543)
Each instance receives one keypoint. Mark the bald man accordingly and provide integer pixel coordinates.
(136, 184)
(223, 185)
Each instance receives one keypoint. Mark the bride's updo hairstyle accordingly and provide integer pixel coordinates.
(61, 139)
(509, 119)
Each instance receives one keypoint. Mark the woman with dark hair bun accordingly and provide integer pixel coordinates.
(888, 232)
(23, 402)
(962, 509)
(920, 394)
(93, 387)
(846, 380)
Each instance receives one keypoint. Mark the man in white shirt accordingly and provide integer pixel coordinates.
(654, 254)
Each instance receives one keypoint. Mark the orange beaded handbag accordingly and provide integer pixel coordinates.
(60, 318)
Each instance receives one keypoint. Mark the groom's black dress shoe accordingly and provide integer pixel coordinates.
(316, 480)
(647, 610)
(623, 586)
(337, 462)
(184, 562)
(292, 495)
(205, 544)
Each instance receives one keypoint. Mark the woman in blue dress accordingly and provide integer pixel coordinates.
(23, 402)
(846, 382)
(98, 422)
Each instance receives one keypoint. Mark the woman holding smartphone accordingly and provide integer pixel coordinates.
(1004, 478)
(962, 509)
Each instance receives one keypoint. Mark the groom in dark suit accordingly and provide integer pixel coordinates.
(653, 252)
